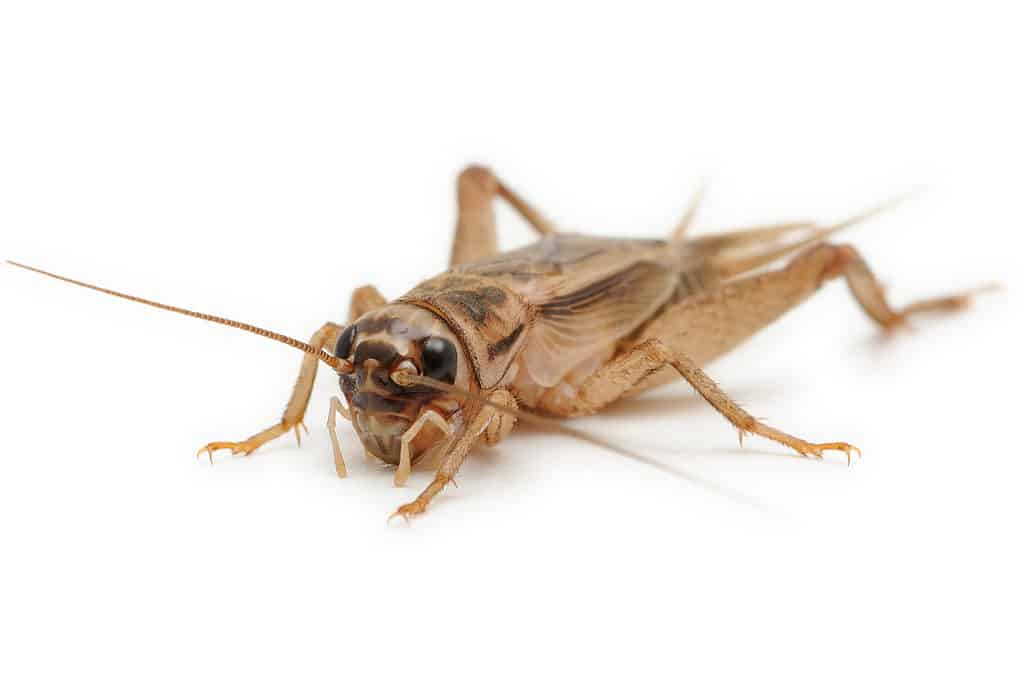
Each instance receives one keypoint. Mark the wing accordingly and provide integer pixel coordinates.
(575, 326)
(587, 293)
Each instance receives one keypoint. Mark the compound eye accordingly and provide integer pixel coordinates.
(440, 360)
(343, 348)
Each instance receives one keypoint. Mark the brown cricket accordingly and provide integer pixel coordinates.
(558, 329)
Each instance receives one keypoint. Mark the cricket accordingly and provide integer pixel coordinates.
(558, 329)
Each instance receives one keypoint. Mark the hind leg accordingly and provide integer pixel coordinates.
(870, 295)
(708, 325)
(703, 327)
(476, 230)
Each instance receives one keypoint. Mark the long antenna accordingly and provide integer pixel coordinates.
(330, 360)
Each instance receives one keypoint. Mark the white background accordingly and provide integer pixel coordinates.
(261, 160)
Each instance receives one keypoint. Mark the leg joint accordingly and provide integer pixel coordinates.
(656, 350)
(826, 261)
(479, 177)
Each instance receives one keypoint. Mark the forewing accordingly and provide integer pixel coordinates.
(575, 325)
(587, 293)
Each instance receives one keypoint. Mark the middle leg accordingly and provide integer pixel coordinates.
(476, 230)
(364, 300)
(653, 355)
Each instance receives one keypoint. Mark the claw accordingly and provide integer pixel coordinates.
(236, 448)
(955, 302)
(817, 450)
(408, 511)
(398, 514)
(207, 450)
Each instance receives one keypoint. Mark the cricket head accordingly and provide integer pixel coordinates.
(382, 355)
(401, 368)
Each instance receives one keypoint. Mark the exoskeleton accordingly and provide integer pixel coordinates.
(560, 328)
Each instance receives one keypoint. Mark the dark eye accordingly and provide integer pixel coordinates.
(440, 360)
(343, 348)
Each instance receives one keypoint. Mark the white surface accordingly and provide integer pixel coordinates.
(261, 162)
